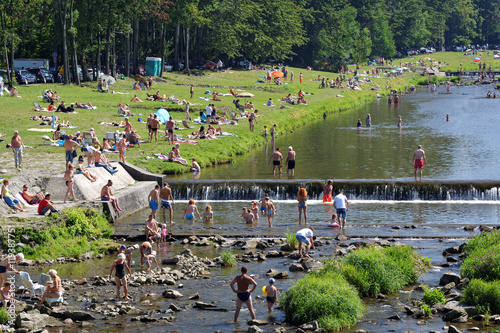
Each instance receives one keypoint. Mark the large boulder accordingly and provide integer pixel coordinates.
(31, 321)
(78, 315)
(169, 293)
(449, 277)
(251, 244)
(457, 315)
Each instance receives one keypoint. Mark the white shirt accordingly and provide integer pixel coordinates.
(306, 232)
(208, 110)
(339, 201)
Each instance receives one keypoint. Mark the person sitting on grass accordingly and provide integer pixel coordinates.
(120, 275)
(54, 288)
(135, 99)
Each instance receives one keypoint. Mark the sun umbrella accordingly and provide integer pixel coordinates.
(278, 74)
(53, 121)
(163, 115)
(427, 59)
(109, 79)
(245, 94)
(476, 60)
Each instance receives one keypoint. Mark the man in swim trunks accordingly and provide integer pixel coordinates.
(419, 160)
(277, 159)
(107, 195)
(170, 130)
(151, 229)
(290, 160)
(327, 191)
(155, 123)
(263, 204)
(273, 133)
(341, 204)
(69, 145)
(153, 200)
(251, 119)
(165, 196)
(243, 292)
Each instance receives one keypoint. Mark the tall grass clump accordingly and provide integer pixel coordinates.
(324, 296)
(228, 259)
(483, 294)
(292, 240)
(4, 316)
(76, 231)
(433, 296)
(482, 257)
(376, 270)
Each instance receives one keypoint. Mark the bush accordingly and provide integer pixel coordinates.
(433, 296)
(483, 257)
(484, 294)
(374, 270)
(427, 310)
(292, 240)
(4, 316)
(324, 296)
(228, 259)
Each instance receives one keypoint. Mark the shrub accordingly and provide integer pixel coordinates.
(433, 296)
(324, 296)
(484, 294)
(292, 240)
(228, 259)
(373, 270)
(4, 316)
(483, 257)
(427, 310)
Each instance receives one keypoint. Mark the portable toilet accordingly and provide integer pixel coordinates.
(153, 66)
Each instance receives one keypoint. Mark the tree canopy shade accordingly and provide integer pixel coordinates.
(110, 34)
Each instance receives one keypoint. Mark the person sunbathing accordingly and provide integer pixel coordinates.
(13, 92)
(302, 100)
(135, 99)
(89, 175)
(30, 198)
(83, 106)
(249, 105)
(175, 156)
(113, 123)
(216, 97)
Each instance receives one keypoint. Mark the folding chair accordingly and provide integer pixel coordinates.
(110, 136)
(87, 138)
(30, 285)
(37, 106)
(52, 142)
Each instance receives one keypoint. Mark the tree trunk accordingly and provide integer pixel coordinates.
(6, 52)
(62, 15)
(186, 52)
(162, 48)
(74, 60)
(176, 50)
(127, 54)
(135, 47)
(113, 55)
(99, 62)
(108, 46)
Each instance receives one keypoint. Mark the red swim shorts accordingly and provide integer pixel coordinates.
(419, 164)
(328, 198)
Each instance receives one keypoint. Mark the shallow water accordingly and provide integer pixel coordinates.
(465, 148)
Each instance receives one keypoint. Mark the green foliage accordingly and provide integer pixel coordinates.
(482, 293)
(228, 259)
(80, 230)
(433, 296)
(324, 296)
(373, 270)
(4, 316)
(427, 310)
(292, 240)
(483, 257)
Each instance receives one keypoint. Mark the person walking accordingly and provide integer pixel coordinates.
(277, 159)
(341, 204)
(17, 149)
(153, 200)
(419, 160)
(243, 292)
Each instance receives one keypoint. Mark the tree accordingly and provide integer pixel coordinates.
(381, 35)
(362, 45)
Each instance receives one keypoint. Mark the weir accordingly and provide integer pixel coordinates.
(284, 189)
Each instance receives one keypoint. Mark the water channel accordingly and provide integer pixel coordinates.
(463, 149)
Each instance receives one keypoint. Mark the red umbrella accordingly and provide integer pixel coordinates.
(278, 74)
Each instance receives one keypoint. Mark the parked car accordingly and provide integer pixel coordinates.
(24, 77)
(91, 73)
(42, 74)
(56, 75)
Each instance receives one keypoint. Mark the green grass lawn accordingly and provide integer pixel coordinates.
(17, 111)
(455, 60)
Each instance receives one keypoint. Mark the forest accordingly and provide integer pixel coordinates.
(325, 34)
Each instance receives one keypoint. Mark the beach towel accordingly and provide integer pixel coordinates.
(41, 129)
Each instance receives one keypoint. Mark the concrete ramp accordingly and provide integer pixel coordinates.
(84, 189)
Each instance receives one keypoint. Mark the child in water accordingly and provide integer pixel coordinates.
(247, 215)
(149, 260)
(333, 223)
(164, 233)
(208, 215)
(271, 295)
(255, 210)
(120, 277)
(190, 210)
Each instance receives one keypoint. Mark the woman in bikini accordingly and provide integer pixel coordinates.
(121, 146)
(302, 199)
(120, 277)
(68, 176)
(271, 211)
(190, 210)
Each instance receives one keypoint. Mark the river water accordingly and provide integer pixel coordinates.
(465, 148)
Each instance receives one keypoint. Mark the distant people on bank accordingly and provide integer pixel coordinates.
(419, 160)
(107, 195)
(243, 292)
(81, 167)
(8, 199)
(7, 264)
(341, 204)
(46, 205)
(69, 177)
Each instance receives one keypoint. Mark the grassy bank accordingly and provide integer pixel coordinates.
(74, 232)
(331, 295)
(207, 152)
(452, 61)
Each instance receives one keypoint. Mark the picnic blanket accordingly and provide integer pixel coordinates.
(41, 129)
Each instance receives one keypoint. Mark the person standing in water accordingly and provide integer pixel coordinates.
(290, 160)
(153, 200)
(368, 120)
(167, 201)
(399, 122)
(341, 204)
(263, 204)
(419, 160)
(243, 292)
(271, 211)
(302, 199)
(327, 191)
(277, 159)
